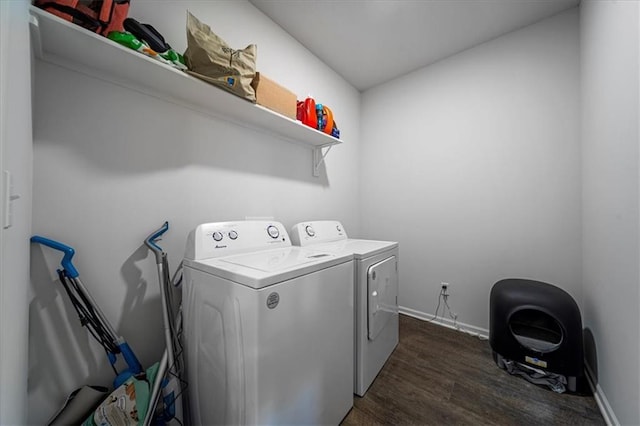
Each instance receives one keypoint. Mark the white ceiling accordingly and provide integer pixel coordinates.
(371, 42)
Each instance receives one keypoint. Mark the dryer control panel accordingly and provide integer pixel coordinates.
(217, 239)
(315, 232)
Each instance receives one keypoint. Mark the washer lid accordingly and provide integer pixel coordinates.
(267, 267)
(277, 260)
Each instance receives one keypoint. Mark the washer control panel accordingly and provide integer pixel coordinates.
(319, 231)
(273, 231)
(310, 231)
(224, 238)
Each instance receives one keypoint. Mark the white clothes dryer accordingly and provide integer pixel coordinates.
(376, 293)
(268, 328)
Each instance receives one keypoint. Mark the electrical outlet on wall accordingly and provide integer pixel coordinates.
(444, 286)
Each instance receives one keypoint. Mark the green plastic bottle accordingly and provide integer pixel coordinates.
(127, 39)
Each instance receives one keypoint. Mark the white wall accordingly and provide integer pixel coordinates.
(15, 157)
(111, 165)
(473, 165)
(610, 34)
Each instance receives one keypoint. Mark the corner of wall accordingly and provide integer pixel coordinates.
(601, 399)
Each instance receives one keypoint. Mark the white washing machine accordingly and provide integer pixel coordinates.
(268, 328)
(376, 293)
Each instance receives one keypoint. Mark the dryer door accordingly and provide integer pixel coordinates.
(382, 289)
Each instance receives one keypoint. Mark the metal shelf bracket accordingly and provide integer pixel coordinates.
(318, 159)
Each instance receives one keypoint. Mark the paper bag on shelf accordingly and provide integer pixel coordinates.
(209, 58)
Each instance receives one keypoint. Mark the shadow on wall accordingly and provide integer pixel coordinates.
(122, 132)
(137, 310)
(62, 355)
(59, 350)
(590, 355)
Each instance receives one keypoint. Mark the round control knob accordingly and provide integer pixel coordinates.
(273, 231)
(233, 235)
(310, 231)
(217, 236)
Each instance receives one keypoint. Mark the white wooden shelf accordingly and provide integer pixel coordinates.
(67, 45)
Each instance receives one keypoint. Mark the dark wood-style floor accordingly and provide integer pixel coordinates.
(439, 376)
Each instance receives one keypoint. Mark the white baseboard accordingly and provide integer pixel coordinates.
(482, 333)
(603, 404)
